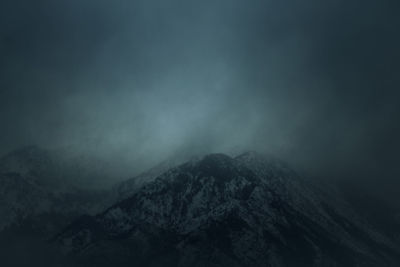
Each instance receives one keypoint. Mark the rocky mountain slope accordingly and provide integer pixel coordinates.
(128, 187)
(223, 211)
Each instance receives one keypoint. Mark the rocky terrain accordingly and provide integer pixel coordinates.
(223, 211)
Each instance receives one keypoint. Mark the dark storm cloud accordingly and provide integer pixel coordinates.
(312, 81)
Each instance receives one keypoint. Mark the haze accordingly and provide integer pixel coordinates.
(136, 82)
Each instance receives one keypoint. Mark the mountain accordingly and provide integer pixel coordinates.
(62, 168)
(38, 191)
(37, 165)
(128, 187)
(377, 206)
(44, 189)
(223, 211)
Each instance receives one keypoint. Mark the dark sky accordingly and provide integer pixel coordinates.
(315, 82)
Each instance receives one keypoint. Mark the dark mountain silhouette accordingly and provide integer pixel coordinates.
(223, 211)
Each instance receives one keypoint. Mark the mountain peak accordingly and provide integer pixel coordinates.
(239, 214)
(251, 154)
(216, 160)
(217, 157)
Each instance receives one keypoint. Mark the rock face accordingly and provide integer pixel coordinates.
(223, 211)
(128, 187)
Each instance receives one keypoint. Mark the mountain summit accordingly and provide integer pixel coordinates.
(224, 211)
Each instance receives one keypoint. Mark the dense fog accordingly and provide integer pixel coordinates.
(138, 82)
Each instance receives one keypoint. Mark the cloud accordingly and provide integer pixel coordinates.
(312, 82)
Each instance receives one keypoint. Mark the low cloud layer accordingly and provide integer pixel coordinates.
(138, 81)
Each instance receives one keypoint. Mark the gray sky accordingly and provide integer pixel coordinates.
(315, 82)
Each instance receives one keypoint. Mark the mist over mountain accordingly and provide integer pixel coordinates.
(220, 211)
(137, 82)
(103, 103)
(213, 210)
